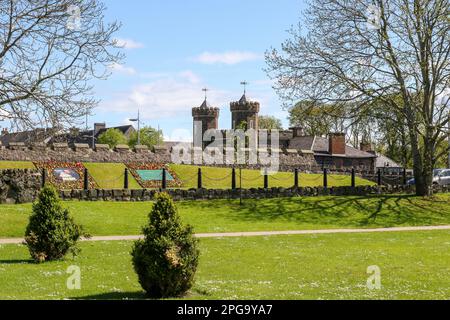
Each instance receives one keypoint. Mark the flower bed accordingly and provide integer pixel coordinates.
(66, 175)
(134, 169)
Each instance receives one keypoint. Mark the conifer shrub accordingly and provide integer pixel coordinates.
(167, 258)
(51, 232)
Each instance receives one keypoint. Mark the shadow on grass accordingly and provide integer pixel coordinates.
(114, 296)
(140, 295)
(344, 211)
(6, 262)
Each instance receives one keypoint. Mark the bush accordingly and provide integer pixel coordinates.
(150, 137)
(112, 137)
(167, 258)
(51, 232)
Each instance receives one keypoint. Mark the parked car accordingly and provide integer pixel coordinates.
(440, 177)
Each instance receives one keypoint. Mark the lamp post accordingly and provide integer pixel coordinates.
(93, 138)
(138, 120)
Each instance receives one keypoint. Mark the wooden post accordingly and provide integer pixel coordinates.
(353, 178)
(199, 181)
(240, 186)
(164, 179)
(125, 181)
(380, 182)
(325, 178)
(86, 179)
(233, 179)
(266, 180)
(296, 179)
(44, 177)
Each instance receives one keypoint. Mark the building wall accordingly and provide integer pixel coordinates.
(361, 164)
(245, 111)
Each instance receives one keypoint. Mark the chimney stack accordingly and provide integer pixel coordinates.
(337, 143)
(366, 146)
(298, 132)
(98, 127)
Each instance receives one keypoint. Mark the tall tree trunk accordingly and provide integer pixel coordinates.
(421, 184)
(423, 167)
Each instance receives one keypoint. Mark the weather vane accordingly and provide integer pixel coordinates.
(245, 84)
(205, 90)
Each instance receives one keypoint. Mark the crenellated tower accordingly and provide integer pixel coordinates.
(207, 117)
(245, 112)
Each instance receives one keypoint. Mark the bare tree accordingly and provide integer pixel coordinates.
(50, 50)
(361, 51)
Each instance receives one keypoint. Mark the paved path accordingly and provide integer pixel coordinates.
(260, 234)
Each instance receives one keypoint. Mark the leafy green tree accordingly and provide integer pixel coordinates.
(394, 51)
(269, 123)
(150, 137)
(167, 258)
(317, 119)
(112, 137)
(51, 232)
(242, 125)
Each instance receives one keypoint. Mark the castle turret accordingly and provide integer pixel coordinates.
(245, 114)
(208, 116)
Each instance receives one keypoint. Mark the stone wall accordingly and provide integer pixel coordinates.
(19, 186)
(63, 153)
(211, 194)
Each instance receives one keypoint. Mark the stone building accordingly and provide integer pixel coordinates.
(51, 136)
(320, 152)
(206, 117)
(244, 114)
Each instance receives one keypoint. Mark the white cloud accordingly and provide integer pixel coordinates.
(180, 135)
(129, 43)
(172, 95)
(120, 68)
(229, 57)
(190, 76)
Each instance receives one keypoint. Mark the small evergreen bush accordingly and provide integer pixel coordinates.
(167, 258)
(51, 232)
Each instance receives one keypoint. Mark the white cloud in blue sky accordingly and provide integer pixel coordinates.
(229, 57)
(123, 69)
(129, 44)
(168, 95)
(176, 48)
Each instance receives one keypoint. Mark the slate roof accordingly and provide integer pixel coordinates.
(302, 143)
(206, 105)
(27, 137)
(383, 162)
(49, 136)
(320, 146)
(243, 99)
(123, 129)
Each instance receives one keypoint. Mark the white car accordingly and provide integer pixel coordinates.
(440, 177)
(443, 178)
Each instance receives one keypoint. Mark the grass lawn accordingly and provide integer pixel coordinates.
(220, 178)
(16, 165)
(414, 265)
(110, 175)
(116, 218)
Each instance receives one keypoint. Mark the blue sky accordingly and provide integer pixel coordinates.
(175, 48)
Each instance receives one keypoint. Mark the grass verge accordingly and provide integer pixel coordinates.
(117, 218)
(220, 178)
(414, 265)
(110, 175)
(16, 165)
